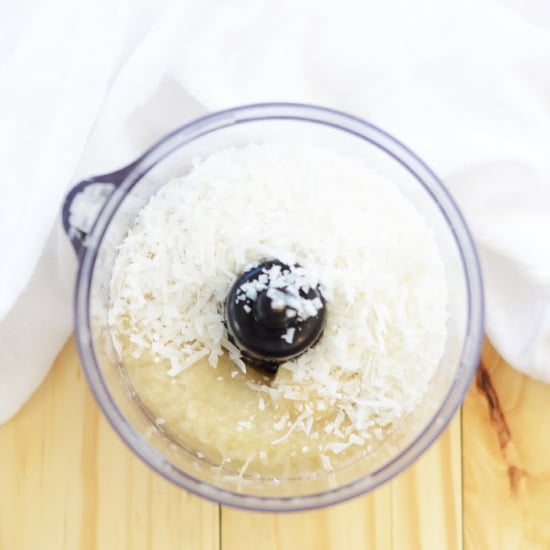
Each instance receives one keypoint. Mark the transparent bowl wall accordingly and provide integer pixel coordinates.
(303, 124)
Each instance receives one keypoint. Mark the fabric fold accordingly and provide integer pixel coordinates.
(85, 87)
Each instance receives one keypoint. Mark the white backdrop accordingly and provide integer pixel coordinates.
(87, 85)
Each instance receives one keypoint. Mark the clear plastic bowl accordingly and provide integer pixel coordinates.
(98, 212)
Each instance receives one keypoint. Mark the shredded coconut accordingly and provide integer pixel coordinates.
(354, 233)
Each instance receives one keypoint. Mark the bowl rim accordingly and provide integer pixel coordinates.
(469, 357)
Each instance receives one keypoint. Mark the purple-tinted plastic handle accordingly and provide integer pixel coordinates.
(77, 236)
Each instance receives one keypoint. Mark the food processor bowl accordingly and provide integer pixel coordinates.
(97, 214)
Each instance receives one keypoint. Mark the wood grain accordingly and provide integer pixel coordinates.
(506, 450)
(68, 483)
(359, 524)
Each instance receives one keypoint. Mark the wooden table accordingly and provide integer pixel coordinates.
(68, 483)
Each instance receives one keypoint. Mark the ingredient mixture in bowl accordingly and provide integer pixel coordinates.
(353, 234)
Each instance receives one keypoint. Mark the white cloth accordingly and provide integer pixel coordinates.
(86, 85)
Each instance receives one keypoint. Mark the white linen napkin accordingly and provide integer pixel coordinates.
(86, 86)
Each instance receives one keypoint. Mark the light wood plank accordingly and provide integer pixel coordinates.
(427, 498)
(359, 524)
(68, 482)
(506, 446)
(420, 509)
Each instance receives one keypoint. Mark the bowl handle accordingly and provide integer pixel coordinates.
(84, 202)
